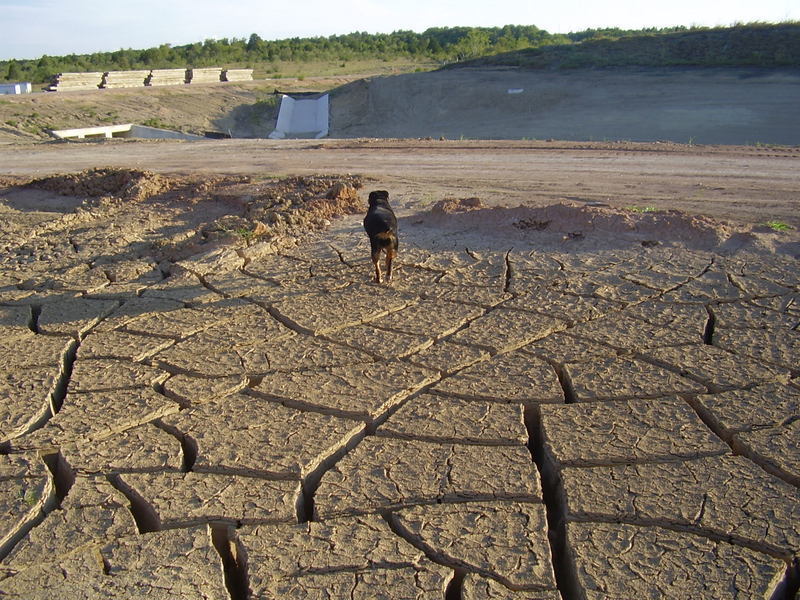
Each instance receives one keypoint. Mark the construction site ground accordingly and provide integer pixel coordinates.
(582, 381)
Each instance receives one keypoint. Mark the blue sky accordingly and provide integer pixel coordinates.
(35, 27)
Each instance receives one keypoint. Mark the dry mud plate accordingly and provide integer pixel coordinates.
(204, 396)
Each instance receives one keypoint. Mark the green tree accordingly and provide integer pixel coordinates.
(255, 45)
(475, 43)
(13, 71)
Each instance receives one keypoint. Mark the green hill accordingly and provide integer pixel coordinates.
(746, 45)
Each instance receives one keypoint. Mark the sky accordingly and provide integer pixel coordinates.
(33, 28)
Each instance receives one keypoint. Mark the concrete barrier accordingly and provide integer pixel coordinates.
(156, 77)
(166, 77)
(237, 75)
(302, 116)
(125, 130)
(104, 131)
(124, 79)
(65, 82)
(205, 75)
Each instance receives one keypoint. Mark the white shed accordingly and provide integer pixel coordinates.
(16, 88)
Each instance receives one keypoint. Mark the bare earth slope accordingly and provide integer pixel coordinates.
(685, 105)
(700, 105)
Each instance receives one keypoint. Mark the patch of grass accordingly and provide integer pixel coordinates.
(245, 234)
(157, 123)
(30, 497)
(269, 102)
(641, 209)
(776, 225)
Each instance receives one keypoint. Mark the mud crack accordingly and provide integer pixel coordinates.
(565, 570)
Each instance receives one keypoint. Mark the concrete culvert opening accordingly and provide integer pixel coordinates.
(302, 116)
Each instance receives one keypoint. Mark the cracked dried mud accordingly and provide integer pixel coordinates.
(205, 396)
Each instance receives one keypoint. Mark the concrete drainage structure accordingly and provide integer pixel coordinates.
(302, 116)
(127, 130)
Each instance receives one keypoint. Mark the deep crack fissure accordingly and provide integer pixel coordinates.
(63, 474)
(232, 556)
(508, 274)
(564, 567)
(789, 587)
(565, 381)
(708, 331)
(33, 322)
(144, 514)
(305, 502)
(39, 511)
(455, 588)
(189, 447)
(62, 383)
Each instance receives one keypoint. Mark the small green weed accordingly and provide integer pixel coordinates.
(641, 209)
(30, 497)
(778, 225)
(246, 235)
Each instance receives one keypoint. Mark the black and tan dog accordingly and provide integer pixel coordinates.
(381, 226)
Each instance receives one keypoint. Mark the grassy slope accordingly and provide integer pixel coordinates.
(747, 45)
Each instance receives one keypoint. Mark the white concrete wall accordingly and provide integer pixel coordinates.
(302, 117)
(127, 130)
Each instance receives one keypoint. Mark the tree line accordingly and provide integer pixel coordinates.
(441, 44)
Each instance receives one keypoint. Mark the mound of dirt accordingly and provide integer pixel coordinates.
(125, 184)
(452, 205)
(661, 225)
(599, 226)
(169, 218)
(291, 207)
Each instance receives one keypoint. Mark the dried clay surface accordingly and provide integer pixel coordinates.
(206, 396)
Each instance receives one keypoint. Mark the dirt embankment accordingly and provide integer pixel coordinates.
(685, 105)
(246, 109)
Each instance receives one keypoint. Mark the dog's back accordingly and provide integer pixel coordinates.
(380, 222)
(381, 227)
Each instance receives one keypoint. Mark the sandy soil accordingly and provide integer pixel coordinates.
(747, 185)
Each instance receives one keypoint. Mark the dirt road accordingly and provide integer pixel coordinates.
(746, 184)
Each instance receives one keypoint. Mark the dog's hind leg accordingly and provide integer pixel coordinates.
(390, 254)
(376, 256)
